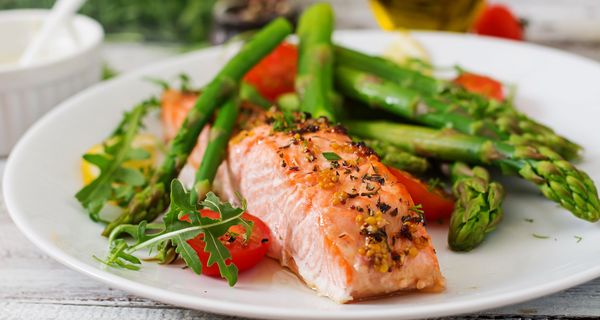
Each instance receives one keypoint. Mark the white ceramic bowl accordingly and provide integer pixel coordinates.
(69, 63)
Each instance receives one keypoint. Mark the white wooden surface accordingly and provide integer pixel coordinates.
(33, 286)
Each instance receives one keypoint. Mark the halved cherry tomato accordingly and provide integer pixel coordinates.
(435, 204)
(244, 254)
(274, 74)
(498, 21)
(483, 85)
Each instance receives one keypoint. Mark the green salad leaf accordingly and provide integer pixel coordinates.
(181, 224)
(116, 182)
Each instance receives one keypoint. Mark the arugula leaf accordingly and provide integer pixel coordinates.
(116, 182)
(227, 211)
(219, 255)
(180, 206)
(119, 258)
(176, 231)
(331, 156)
(164, 85)
(108, 72)
(184, 80)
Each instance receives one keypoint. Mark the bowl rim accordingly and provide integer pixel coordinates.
(96, 32)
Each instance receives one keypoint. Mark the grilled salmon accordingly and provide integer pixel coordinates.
(339, 218)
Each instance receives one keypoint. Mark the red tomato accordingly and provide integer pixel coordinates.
(244, 254)
(498, 21)
(483, 85)
(435, 204)
(274, 75)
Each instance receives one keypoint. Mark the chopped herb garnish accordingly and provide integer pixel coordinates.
(374, 177)
(578, 238)
(528, 220)
(282, 121)
(331, 156)
(539, 236)
(417, 208)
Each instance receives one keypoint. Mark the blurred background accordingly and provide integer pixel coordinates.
(152, 29)
(140, 32)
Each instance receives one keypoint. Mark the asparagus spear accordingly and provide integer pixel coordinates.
(477, 209)
(516, 127)
(396, 157)
(314, 79)
(154, 199)
(523, 130)
(556, 178)
(389, 70)
(408, 103)
(215, 150)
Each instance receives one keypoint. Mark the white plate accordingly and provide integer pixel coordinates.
(42, 175)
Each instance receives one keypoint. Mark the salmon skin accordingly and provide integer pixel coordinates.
(339, 218)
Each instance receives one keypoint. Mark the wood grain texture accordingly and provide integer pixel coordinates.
(33, 286)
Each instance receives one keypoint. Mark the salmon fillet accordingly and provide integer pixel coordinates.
(345, 226)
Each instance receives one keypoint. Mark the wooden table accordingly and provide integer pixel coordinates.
(33, 286)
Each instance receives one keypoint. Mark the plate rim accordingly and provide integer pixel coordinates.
(232, 308)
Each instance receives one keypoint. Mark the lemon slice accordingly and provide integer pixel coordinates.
(405, 47)
(144, 141)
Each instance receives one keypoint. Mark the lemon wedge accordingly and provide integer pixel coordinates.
(145, 141)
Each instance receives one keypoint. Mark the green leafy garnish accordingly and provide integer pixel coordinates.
(116, 182)
(184, 83)
(331, 156)
(108, 72)
(180, 224)
(578, 238)
(164, 85)
(539, 236)
(417, 208)
(283, 121)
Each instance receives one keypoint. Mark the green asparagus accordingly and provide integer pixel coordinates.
(215, 150)
(408, 103)
(556, 178)
(314, 79)
(477, 209)
(517, 128)
(389, 70)
(154, 199)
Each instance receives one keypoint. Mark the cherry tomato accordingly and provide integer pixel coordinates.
(498, 21)
(274, 74)
(483, 85)
(244, 254)
(435, 204)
